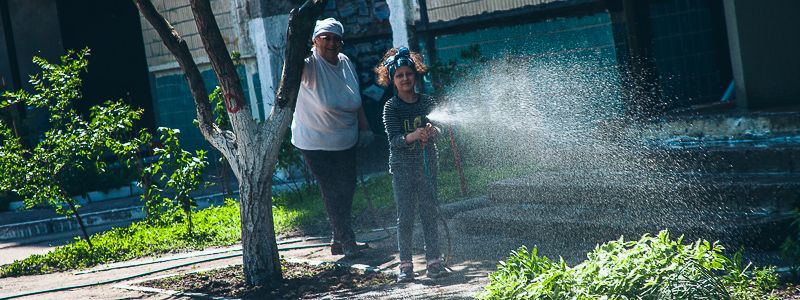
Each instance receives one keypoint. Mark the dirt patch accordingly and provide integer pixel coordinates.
(301, 281)
(789, 291)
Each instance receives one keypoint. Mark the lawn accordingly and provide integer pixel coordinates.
(297, 211)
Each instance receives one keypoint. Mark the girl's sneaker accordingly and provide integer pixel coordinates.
(436, 270)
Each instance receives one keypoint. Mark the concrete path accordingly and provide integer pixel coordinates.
(470, 273)
(472, 258)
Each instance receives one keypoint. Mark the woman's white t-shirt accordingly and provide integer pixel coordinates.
(326, 115)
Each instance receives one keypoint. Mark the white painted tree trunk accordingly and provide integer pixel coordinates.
(251, 147)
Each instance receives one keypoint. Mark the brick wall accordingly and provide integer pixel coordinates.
(179, 14)
(176, 108)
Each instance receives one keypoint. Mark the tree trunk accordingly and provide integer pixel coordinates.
(78, 219)
(261, 260)
(251, 148)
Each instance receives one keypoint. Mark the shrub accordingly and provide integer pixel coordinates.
(40, 175)
(181, 171)
(651, 268)
(790, 249)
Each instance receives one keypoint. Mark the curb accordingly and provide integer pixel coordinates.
(67, 223)
(449, 210)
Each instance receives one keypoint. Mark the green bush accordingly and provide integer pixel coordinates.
(73, 147)
(651, 268)
(790, 249)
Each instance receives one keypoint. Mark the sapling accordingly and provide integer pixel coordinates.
(39, 174)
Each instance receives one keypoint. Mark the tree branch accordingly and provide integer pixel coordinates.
(301, 25)
(222, 63)
(222, 140)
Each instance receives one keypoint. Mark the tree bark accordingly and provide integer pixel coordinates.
(251, 148)
(301, 25)
(219, 139)
(78, 219)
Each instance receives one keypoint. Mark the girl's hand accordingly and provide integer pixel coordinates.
(431, 131)
(420, 134)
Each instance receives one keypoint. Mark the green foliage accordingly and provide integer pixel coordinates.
(220, 113)
(790, 249)
(182, 173)
(651, 268)
(70, 146)
(214, 226)
(444, 73)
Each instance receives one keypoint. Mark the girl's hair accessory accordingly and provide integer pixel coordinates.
(401, 58)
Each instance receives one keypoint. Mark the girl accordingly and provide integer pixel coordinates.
(412, 158)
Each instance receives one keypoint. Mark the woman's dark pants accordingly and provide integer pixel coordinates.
(335, 172)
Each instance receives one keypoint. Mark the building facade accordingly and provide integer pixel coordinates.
(689, 52)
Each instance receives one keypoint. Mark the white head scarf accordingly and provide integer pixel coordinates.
(328, 25)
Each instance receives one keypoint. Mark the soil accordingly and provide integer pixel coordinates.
(789, 291)
(301, 281)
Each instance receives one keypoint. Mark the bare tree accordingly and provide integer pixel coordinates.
(251, 147)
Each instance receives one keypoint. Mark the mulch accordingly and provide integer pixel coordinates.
(301, 281)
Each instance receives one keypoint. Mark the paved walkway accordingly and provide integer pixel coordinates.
(468, 278)
(473, 257)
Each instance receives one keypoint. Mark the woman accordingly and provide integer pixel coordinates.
(412, 158)
(328, 124)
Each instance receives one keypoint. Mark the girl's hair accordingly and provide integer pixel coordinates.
(382, 71)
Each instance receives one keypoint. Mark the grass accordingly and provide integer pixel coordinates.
(214, 226)
(304, 208)
(220, 226)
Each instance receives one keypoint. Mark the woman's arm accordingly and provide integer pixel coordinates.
(363, 124)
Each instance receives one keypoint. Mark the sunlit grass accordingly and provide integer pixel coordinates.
(302, 208)
(220, 226)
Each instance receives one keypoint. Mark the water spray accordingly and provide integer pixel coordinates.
(442, 116)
